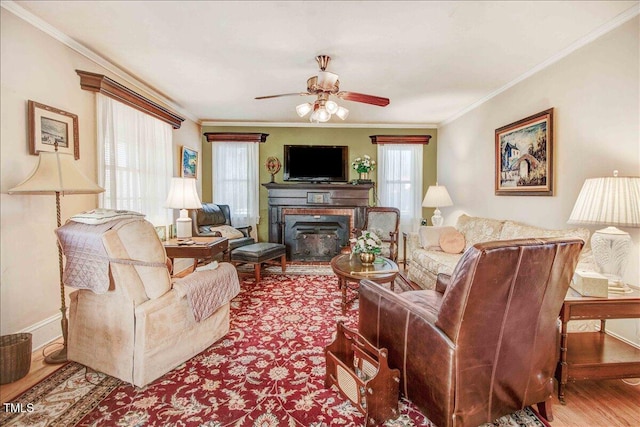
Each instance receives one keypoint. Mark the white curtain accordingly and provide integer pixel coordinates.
(134, 160)
(236, 179)
(400, 181)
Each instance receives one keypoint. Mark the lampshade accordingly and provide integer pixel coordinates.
(437, 196)
(342, 113)
(183, 194)
(56, 173)
(331, 107)
(303, 109)
(612, 201)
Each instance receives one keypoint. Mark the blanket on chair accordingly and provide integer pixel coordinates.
(208, 290)
(87, 262)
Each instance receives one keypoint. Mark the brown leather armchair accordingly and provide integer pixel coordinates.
(212, 216)
(484, 343)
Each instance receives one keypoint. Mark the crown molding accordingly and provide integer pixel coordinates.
(47, 28)
(218, 123)
(625, 16)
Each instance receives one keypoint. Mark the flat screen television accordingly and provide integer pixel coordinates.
(316, 163)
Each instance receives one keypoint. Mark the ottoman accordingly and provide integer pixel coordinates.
(258, 254)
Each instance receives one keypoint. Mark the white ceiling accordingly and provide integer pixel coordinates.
(209, 59)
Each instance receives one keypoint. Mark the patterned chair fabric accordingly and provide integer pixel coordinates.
(385, 223)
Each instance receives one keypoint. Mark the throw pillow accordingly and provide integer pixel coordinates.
(228, 231)
(452, 241)
(100, 216)
(430, 237)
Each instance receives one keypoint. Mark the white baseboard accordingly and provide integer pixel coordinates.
(45, 331)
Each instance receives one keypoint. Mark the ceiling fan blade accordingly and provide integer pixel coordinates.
(284, 94)
(361, 97)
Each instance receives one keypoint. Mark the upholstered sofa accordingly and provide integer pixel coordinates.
(426, 258)
(130, 319)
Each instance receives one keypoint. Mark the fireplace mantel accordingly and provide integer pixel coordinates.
(314, 199)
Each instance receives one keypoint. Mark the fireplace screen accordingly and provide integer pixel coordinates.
(315, 237)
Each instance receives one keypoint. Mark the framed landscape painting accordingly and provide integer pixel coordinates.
(49, 127)
(524, 157)
(189, 166)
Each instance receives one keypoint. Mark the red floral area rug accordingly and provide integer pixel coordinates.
(268, 371)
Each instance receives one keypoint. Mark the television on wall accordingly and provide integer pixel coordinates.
(316, 163)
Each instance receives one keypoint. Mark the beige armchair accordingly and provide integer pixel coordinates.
(143, 325)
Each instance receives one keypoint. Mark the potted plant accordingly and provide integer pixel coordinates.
(367, 245)
(363, 165)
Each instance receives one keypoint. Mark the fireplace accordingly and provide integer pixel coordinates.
(315, 237)
(314, 221)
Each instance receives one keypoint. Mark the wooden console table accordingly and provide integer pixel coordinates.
(203, 248)
(596, 355)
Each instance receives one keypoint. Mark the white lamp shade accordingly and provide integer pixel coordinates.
(437, 196)
(183, 194)
(327, 80)
(303, 109)
(342, 113)
(56, 173)
(610, 200)
(331, 107)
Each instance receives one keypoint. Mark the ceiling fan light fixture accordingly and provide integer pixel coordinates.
(342, 113)
(303, 109)
(320, 115)
(326, 80)
(331, 107)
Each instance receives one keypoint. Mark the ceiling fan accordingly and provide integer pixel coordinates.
(322, 86)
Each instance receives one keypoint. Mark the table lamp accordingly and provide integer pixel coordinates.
(612, 201)
(436, 197)
(57, 173)
(183, 195)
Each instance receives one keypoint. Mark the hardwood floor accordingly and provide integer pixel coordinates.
(602, 403)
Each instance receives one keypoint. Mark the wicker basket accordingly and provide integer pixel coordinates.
(15, 357)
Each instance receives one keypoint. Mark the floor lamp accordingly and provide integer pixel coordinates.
(57, 173)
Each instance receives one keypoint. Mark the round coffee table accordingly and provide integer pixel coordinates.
(348, 268)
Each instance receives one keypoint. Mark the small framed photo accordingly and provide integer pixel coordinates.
(48, 127)
(189, 165)
(162, 232)
(524, 157)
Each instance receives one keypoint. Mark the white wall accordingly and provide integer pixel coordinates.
(34, 66)
(595, 94)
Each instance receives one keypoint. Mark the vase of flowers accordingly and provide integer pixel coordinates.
(367, 245)
(363, 165)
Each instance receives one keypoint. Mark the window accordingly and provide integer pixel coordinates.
(236, 180)
(400, 181)
(134, 160)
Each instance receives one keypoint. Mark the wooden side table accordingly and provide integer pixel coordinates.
(596, 355)
(203, 248)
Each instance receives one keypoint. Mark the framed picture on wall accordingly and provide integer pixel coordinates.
(524, 157)
(189, 165)
(48, 127)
